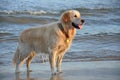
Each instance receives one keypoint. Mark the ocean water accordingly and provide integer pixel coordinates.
(98, 40)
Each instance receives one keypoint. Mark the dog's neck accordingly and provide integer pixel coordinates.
(63, 30)
(68, 30)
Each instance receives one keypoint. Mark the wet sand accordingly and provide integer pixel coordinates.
(94, 70)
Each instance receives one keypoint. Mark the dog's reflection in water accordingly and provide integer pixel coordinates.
(28, 77)
(56, 77)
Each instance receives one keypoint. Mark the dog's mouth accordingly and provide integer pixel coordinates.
(77, 26)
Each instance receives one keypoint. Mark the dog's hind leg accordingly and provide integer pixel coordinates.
(28, 61)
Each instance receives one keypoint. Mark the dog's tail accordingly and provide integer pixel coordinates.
(16, 57)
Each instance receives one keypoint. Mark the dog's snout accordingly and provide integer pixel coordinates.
(82, 20)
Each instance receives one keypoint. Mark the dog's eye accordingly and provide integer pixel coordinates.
(75, 16)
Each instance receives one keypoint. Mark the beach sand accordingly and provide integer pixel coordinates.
(94, 70)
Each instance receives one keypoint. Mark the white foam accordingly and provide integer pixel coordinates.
(23, 12)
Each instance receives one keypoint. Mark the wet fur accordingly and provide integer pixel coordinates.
(48, 39)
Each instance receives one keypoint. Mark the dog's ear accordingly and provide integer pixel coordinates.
(66, 17)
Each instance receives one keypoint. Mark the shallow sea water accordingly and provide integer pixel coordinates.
(98, 40)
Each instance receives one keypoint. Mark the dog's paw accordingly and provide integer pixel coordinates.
(17, 72)
(55, 73)
(59, 71)
(29, 70)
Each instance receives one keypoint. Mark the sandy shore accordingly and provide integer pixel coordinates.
(95, 70)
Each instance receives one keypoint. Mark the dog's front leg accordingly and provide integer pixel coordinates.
(59, 62)
(52, 60)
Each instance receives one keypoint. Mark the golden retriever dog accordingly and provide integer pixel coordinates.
(53, 39)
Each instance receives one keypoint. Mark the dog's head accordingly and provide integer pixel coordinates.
(72, 18)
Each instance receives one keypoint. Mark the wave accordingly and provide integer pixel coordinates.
(27, 12)
(27, 19)
(40, 12)
(102, 37)
(23, 12)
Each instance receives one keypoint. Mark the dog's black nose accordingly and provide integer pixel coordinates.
(82, 20)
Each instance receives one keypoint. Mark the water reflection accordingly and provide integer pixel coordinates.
(28, 77)
(17, 76)
(56, 77)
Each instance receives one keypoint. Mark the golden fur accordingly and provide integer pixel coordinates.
(48, 39)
